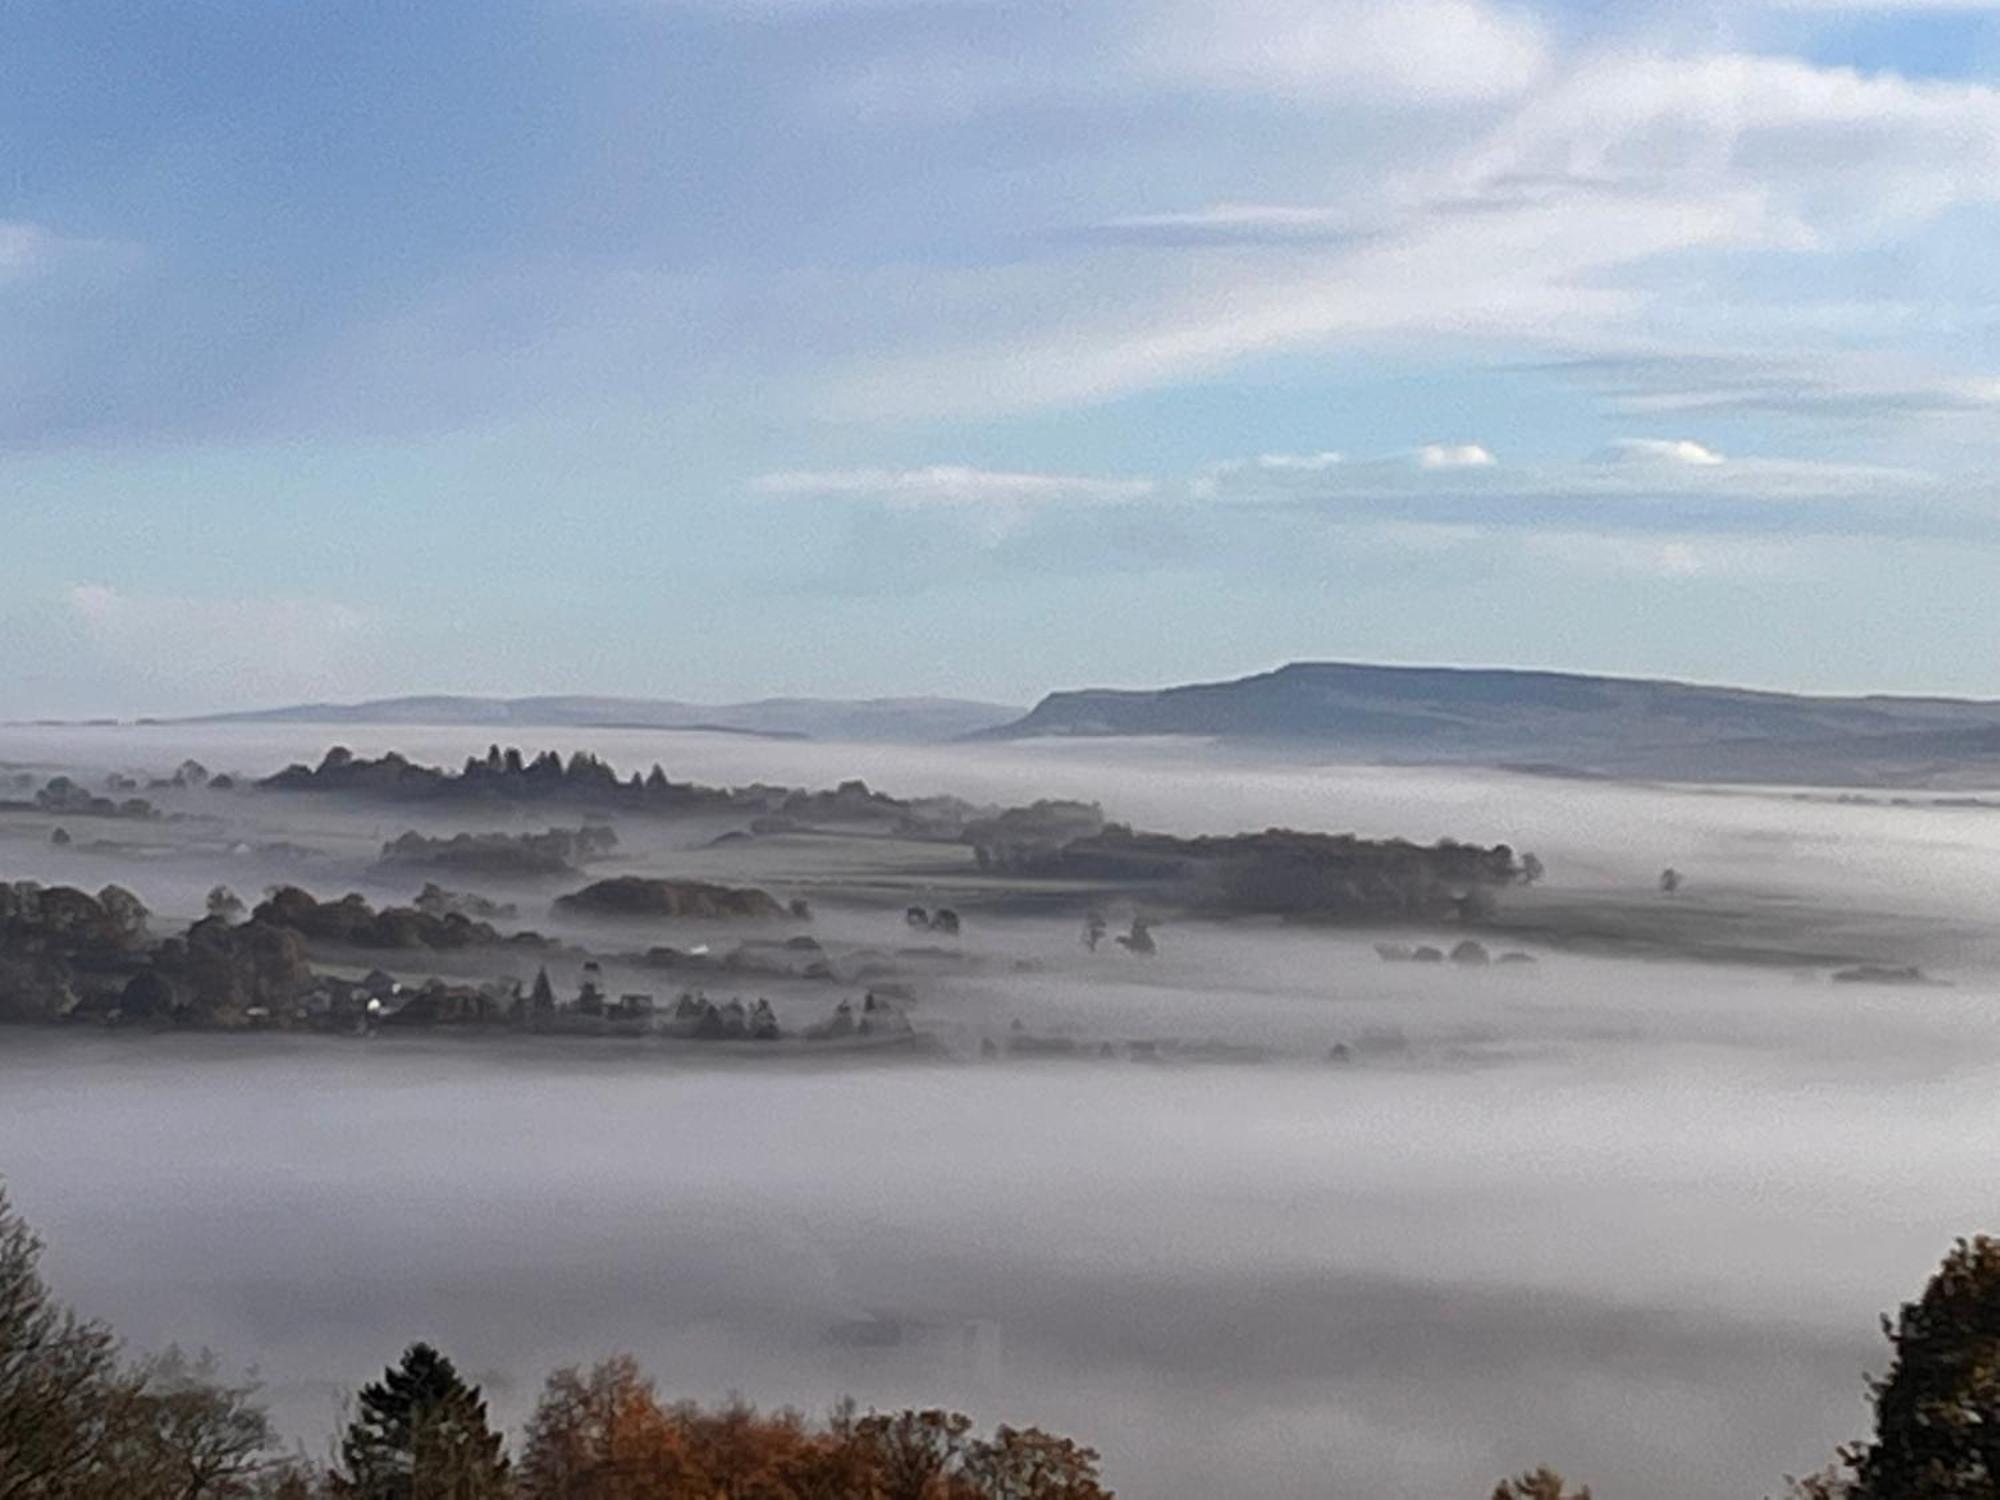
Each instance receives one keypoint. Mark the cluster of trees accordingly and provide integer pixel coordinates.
(351, 922)
(1303, 876)
(509, 776)
(63, 795)
(556, 852)
(80, 1421)
(584, 780)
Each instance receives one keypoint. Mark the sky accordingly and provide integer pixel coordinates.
(721, 348)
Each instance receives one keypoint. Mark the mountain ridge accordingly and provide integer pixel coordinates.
(881, 719)
(1559, 720)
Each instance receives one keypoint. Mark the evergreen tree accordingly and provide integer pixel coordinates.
(1937, 1411)
(421, 1434)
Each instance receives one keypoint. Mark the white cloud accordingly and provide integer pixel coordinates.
(1303, 463)
(951, 485)
(1243, 216)
(1570, 221)
(1830, 151)
(1669, 557)
(1454, 456)
(1663, 450)
(190, 650)
(1421, 51)
(1216, 481)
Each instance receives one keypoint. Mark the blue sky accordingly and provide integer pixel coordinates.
(716, 348)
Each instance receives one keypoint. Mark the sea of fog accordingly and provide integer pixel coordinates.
(1635, 1219)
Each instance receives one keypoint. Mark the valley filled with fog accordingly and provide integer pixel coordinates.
(1258, 1213)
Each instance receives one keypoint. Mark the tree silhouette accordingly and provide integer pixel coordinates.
(421, 1434)
(542, 998)
(1937, 1411)
(58, 1379)
(1029, 1464)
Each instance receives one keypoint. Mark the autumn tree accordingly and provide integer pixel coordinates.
(602, 1436)
(1029, 1464)
(741, 1452)
(421, 1434)
(833, 1465)
(913, 1451)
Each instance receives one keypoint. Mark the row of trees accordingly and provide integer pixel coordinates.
(78, 1421)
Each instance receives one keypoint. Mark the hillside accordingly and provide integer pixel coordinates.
(913, 720)
(1552, 720)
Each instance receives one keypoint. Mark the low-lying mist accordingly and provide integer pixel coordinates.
(1633, 1217)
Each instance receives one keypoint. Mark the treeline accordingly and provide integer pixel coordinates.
(585, 780)
(1283, 872)
(81, 1421)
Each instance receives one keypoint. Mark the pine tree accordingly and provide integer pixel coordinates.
(1937, 1411)
(421, 1434)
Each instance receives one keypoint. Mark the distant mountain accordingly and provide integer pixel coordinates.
(1557, 721)
(884, 719)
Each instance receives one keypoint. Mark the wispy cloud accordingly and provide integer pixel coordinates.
(1454, 456)
(1437, 52)
(1662, 450)
(29, 250)
(950, 485)
(1667, 557)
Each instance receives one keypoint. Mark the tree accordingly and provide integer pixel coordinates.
(225, 903)
(1670, 881)
(542, 998)
(188, 1434)
(60, 1388)
(1029, 1464)
(1531, 869)
(421, 1434)
(127, 912)
(1937, 1411)
(739, 1453)
(75, 1425)
(912, 1451)
(602, 1436)
(1543, 1483)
